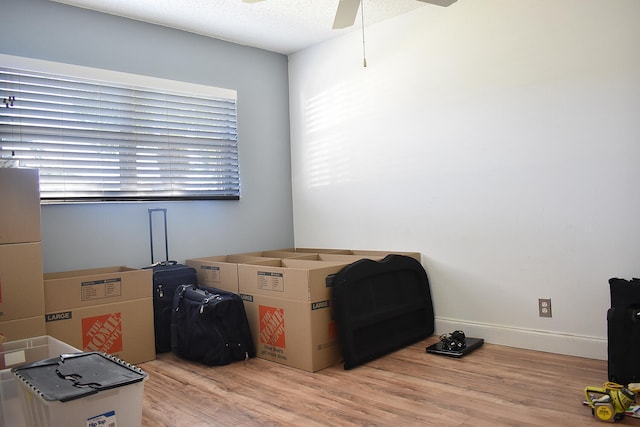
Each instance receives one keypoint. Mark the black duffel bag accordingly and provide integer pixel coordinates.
(210, 326)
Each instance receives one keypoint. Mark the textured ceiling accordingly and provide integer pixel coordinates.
(283, 26)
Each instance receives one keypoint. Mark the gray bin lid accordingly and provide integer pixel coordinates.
(77, 375)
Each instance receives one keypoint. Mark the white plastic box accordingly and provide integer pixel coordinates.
(15, 353)
(89, 389)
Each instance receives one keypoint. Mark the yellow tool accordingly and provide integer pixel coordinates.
(609, 402)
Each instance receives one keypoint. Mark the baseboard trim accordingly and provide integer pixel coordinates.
(548, 341)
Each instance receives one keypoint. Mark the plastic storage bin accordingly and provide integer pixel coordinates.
(15, 353)
(83, 389)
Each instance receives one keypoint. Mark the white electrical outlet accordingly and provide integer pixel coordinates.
(544, 307)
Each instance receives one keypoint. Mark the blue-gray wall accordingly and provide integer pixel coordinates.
(97, 235)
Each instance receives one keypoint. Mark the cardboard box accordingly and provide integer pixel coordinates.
(289, 306)
(289, 312)
(19, 205)
(124, 329)
(279, 254)
(103, 309)
(21, 287)
(301, 280)
(222, 271)
(293, 333)
(13, 330)
(86, 288)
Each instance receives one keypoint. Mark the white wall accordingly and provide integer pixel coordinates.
(499, 138)
(98, 235)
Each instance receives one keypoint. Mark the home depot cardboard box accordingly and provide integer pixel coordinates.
(19, 205)
(289, 312)
(124, 329)
(19, 329)
(104, 309)
(21, 287)
(84, 288)
(222, 271)
(293, 333)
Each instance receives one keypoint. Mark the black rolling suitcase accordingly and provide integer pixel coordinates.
(210, 326)
(380, 307)
(167, 276)
(623, 331)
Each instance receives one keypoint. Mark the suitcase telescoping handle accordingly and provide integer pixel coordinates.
(164, 263)
(166, 238)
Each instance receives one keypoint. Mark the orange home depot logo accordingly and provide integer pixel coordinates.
(102, 333)
(272, 326)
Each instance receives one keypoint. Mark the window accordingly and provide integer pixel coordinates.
(97, 140)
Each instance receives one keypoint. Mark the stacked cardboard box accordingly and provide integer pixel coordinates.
(289, 304)
(287, 296)
(289, 312)
(221, 271)
(103, 309)
(21, 286)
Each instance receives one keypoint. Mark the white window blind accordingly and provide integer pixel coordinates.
(95, 140)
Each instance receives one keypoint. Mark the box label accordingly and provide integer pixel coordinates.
(63, 315)
(108, 419)
(102, 333)
(270, 281)
(246, 297)
(98, 289)
(273, 353)
(320, 305)
(272, 326)
(211, 272)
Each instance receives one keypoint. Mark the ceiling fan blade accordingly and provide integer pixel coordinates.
(443, 3)
(346, 13)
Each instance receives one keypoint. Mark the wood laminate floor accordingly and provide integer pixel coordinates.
(493, 386)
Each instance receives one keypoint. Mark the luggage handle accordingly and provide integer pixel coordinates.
(208, 296)
(163, 263)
